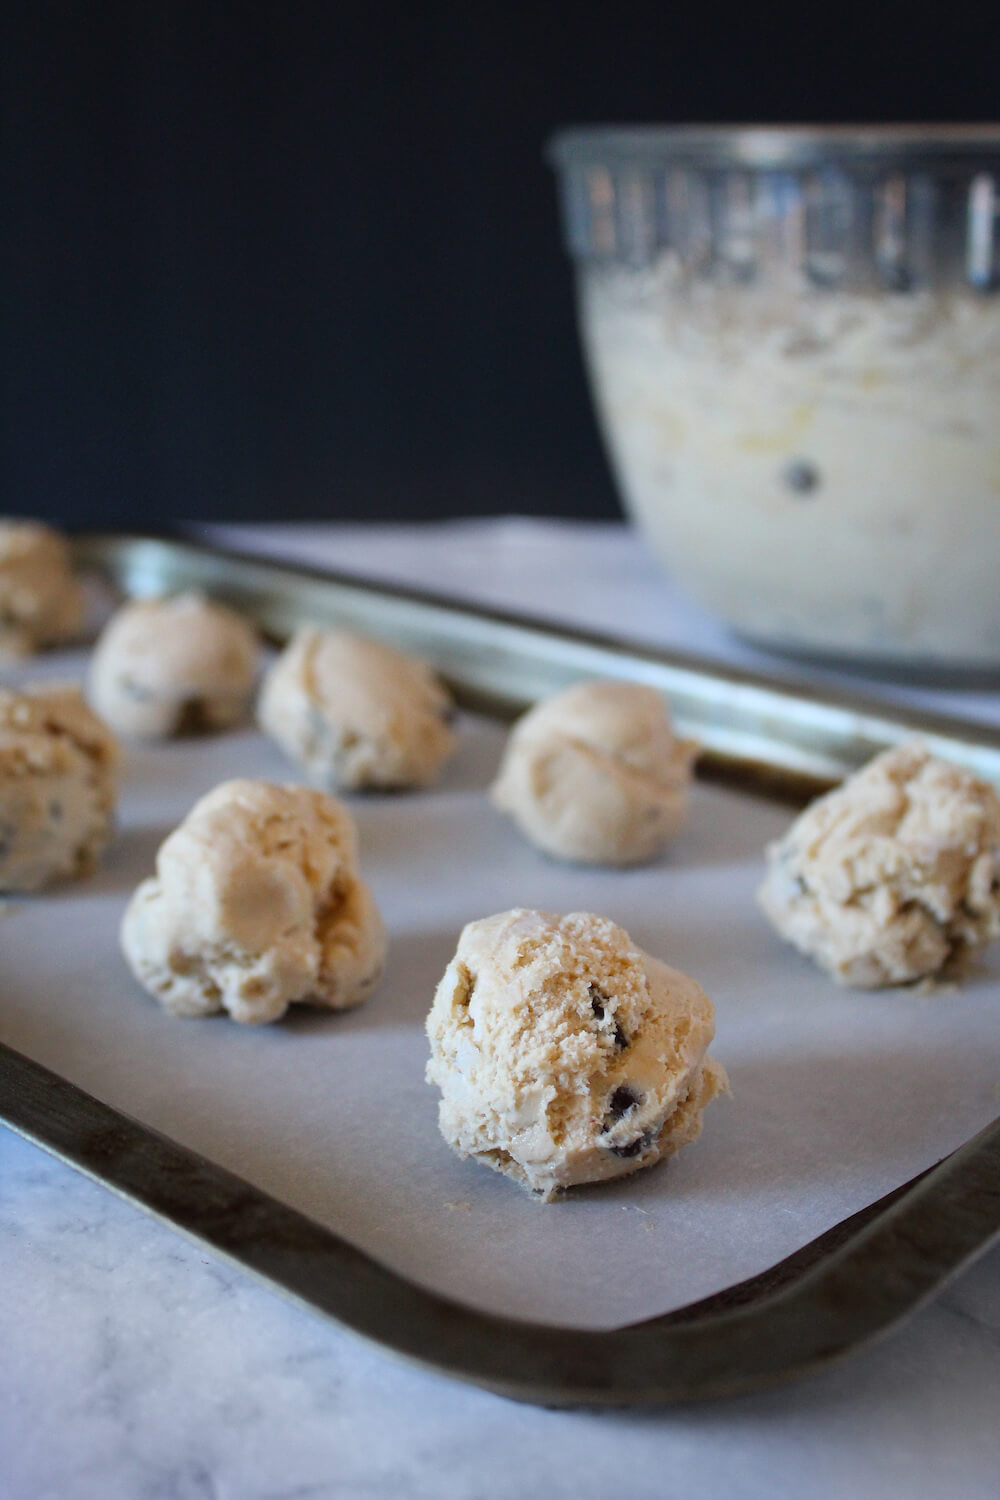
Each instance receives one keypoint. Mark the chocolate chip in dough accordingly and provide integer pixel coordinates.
(192, 719)
(801, 476)
(635, 1147)
(622, 1100)
(599, 1002)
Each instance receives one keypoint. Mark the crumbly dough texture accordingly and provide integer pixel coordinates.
(595, 774)
(892, 877)
(41, 602)
(169, 666)
(355, 713)
(256, 903)
(564, 1053)
(57, 786)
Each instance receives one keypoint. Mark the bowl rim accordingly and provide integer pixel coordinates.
(773, 146)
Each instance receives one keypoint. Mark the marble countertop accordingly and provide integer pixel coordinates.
(134, 1365)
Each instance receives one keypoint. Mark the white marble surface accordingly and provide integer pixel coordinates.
(133, 1365)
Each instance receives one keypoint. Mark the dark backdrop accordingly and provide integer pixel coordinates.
(286, 260)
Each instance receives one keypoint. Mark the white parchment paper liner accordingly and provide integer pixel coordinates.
(838, 1096)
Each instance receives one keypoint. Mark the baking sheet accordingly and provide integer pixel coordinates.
(838, 1096)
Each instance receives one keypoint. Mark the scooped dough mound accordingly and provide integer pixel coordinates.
(172, 666)
(564, 1054)
(894, 875)
(41, 603)
(595, 774)
(355, 713)
(256, 903)
(57, 786)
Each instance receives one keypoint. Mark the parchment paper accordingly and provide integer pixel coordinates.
(837, 1096)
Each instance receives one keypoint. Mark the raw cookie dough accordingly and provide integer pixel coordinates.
(170, 666)
(57, 786)
(41, 603)
(893, 875)
(256, 903)
(564, 1054)
(595, 774)
(355, 713)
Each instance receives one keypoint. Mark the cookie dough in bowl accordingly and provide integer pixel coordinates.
(894, 876)
(257, 903)
(596, 775)
(357, 714)
(564, 1053)
(41, 602)
(173, 666)
(57, 786)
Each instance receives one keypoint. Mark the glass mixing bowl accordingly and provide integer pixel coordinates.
(793, 340)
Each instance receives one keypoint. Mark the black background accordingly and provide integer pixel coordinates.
(265, 260)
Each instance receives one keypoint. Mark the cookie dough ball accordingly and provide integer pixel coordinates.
(596, 775)
(57, 786)
(564, 1054)
(358, 715)
(892, 876)
(173, 666)
(41, 603)
(256, 903)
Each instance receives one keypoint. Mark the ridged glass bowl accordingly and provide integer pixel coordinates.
(793, 341)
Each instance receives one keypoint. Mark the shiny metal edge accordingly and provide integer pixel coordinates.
(872, 147)
(758, 733)
(891, 1259)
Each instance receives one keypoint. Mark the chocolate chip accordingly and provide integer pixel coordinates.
(192, 718)
(448, 714)
(637, 1146)
(622, 1100)
(598, 1000)
(800, 475)
(55, 811)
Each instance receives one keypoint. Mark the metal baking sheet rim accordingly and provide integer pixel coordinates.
(841, 1292)
(762, 733)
